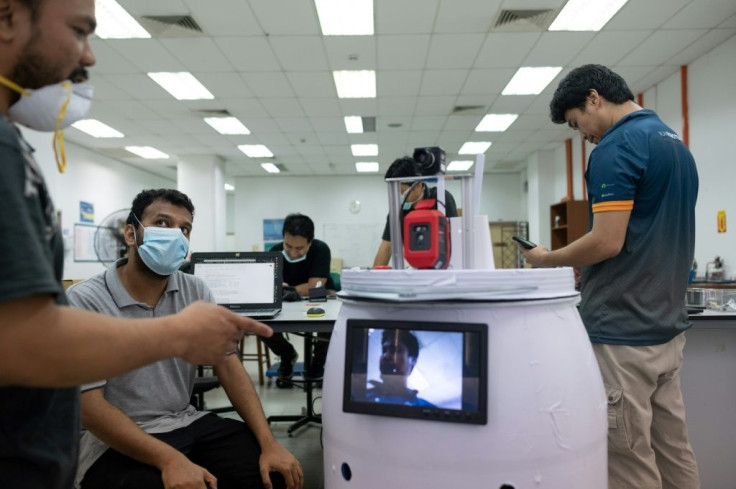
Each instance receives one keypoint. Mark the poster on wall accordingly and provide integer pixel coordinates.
(86, 211)
(272, 232)
(84, 243)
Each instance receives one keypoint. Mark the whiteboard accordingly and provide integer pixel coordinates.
(356, 244)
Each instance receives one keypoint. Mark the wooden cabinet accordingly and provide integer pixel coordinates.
(568, 221)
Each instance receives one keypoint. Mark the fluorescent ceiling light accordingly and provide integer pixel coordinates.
(355, 84)
(496, 122)
(270, 167)
(113, 22)
(474, 148)
(227, 125)
(586, 15)
(255, 150)
(345, 18)
(364, 149)
(97, 129)
(459, 165)
(229, 188)
(182, 85)
(354, 124)
(147, 152)
(531, 81)
(366, 166)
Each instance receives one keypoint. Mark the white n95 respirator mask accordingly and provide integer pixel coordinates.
(51, 108)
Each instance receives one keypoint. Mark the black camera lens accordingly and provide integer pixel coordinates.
(429, 161)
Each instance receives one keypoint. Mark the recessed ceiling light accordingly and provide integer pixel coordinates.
(474, 148)
(182, 85)
(354, 124)
(270, 167)
(531, 80)
(342, 18)
(364, 149)
(586, 15)
(496, 122)
(255, 150)
(227, 125)
(355, 84)
(366, 166)
(113, 22)
(229, 188)
(147, 152)
(97, 129)
(460, 165)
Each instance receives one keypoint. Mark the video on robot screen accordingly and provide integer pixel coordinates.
(409, 364)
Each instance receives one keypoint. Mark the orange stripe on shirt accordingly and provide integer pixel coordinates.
(614, 205)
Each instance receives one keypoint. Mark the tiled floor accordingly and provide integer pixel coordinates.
(306, 442)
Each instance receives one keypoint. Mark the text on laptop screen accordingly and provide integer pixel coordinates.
(238, 283)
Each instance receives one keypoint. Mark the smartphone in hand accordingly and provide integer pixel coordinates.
(527, 245)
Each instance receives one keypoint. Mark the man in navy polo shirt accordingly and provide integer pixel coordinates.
(642, 186)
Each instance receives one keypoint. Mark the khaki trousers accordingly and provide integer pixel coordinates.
(648, 446)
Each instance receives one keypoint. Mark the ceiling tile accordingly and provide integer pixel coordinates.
(405, 17)
(302, 53)
(197, 54)
(286, 17)
(402, 52)
(453, 50)
(506, 49)
(248, 54)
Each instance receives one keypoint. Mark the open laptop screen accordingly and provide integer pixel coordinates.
(242, 281)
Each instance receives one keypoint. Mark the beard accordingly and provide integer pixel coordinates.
(34, 70)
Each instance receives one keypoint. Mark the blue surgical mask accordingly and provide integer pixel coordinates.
(163, 249)
(407, 205)
(293, 260)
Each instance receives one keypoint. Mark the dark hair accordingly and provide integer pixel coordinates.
(148, 197)
(299, 225)
(401, 167)
(574, 89)
(406, 337)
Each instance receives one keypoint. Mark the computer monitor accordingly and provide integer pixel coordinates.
(416, 369)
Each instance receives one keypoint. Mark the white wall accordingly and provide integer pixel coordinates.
(712, 109)
(108, 184)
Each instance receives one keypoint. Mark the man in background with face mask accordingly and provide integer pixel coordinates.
(404, 167)
(306, 264)
(143, 420)
(47, 349)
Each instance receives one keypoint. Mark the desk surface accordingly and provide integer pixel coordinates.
(293, 317)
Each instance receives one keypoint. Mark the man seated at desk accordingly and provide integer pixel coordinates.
(306, 265)
(141, 431)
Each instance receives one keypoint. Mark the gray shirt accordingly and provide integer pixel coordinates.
(156, 397)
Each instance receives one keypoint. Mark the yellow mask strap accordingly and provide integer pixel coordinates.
(14, 86)
(58, 144)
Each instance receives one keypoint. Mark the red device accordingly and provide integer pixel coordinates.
(427, 236)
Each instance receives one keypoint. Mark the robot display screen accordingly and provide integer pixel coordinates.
(416, 369)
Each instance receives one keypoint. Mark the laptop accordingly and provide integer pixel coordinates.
(246, 282)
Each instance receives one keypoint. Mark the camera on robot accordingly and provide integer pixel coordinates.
(429, 161)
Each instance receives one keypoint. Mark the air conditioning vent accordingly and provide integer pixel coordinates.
(171, 25)
(527, 20)
(213, 112)
(469, 109)
(369, 124)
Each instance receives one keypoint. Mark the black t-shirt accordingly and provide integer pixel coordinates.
(317, 264)
(450, 210)
(39, 428)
